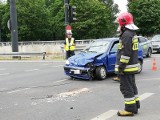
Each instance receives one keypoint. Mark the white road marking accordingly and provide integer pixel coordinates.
(151, 79)
(145, 95)
(2, 89)
(45, 64)
(31, 70)
(105, 115)
(2, 68)
(53, 82)
(58, 66)
(18, 90)
(111, 113)
(147, 60)
(60, 81)
(5, 74)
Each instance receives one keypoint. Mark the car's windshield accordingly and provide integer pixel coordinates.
(156, 38)
(98, 46)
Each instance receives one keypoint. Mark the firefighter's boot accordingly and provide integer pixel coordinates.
(138, 104)
(116, 79)
(138, 107)
(125, 113)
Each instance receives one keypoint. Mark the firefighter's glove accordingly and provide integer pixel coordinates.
(120, 71)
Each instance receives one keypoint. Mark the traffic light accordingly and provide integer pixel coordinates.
(72, 14)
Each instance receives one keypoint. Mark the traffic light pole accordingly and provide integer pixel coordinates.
(14, 30)
(66, 7)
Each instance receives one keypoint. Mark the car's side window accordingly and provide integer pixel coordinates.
(141, 40)
(114, 48)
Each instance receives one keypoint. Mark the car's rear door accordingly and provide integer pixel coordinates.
(144, 44)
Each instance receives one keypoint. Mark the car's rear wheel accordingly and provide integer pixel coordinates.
(140, 67)
(149, 53)
(101, 72)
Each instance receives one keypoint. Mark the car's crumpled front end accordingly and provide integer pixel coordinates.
(80, 65)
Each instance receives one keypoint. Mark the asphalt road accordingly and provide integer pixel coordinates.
(39, 90)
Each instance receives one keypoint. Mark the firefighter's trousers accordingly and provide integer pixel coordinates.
(129, 90)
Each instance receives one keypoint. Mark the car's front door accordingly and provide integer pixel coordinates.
(112, 57)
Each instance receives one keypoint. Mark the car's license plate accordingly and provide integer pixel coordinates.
(76, 71)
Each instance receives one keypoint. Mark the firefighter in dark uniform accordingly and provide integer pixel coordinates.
(69, 45)
(127, 64)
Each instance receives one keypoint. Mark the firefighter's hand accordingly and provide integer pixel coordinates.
(120, 71)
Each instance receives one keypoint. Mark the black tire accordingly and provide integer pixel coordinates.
(72, 78)
(149, 53)
(141, 66)
(101, 72)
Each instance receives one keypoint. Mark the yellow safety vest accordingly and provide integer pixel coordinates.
(69, 46)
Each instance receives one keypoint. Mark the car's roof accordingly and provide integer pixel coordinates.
(108, 39)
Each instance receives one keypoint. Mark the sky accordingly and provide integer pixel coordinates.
(121, 4)
(3, 0)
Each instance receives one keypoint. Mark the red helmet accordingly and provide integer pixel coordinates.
(125, 18)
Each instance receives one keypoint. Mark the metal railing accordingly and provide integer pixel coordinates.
(59, 42)
(19, 55)
(38, 48)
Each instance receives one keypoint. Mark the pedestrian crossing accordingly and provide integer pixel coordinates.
(107, 115)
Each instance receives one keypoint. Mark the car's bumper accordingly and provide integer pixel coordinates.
(77, 72)
(156, 49)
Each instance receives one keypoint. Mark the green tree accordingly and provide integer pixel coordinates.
(94, 19)
(44, 19)
(4, 13)
(56, 8)
(147, 16)
(33, 20)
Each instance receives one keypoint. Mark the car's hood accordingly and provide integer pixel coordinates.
(82, 59)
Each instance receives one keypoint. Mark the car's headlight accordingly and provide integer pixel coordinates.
(90, 65)
(67, 62)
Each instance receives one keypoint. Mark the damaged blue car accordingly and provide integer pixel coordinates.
(96, 61)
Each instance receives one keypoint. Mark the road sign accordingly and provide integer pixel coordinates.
(68, 28)
(9, 24)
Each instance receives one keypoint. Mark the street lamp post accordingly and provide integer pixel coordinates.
(14, 30)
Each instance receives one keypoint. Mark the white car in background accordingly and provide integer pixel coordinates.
(156, 43)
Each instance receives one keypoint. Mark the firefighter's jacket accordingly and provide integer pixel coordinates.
(69, 45)
(127, 54)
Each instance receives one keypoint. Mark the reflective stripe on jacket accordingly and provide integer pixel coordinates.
(69, 46)
(129, 68)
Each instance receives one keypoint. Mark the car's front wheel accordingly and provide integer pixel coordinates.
(101, 72)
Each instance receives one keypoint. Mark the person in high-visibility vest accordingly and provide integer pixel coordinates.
(127, 64)
(69, 45)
